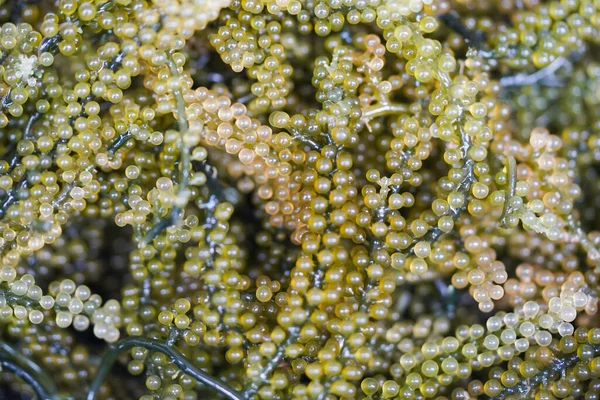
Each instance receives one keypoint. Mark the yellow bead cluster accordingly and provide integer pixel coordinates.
(292, 199)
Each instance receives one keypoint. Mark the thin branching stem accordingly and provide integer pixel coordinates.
(560, 364)
(464, 187)
(26, 135)
(161, 225)
(42, 379)
(375, 245)
(453, 21)
(216, 187)
(273, 362)
(185, 161)
(293, 333)
(434, 233)
(448, 295)
(545, 76)
(183, 128)
(474, 38)
(363, 300)
(64, 193)
(380, 110)
(177, 358)
(119, 142)
(587, 245)
(112, 149)
(312, 143)
(42, 392)
(536, 77)
(51, 45)
(12, 194)
(511, 171)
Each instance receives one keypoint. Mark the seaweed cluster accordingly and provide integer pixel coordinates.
(299, 199)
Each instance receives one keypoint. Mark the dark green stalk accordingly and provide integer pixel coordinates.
(313, 144)
(12, 194)
(34, 367)
(162, 224)
(185, 365)
(453, 21)
(119, 142)
(42, 392)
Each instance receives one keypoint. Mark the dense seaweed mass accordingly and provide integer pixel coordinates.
(299, 199)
